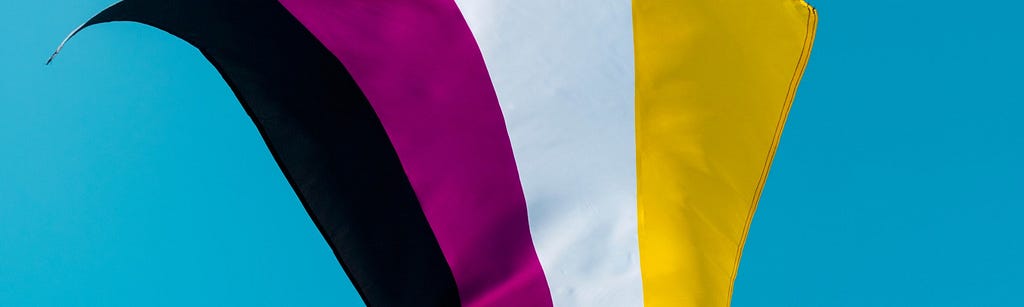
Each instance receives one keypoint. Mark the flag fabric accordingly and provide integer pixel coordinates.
(514, 153)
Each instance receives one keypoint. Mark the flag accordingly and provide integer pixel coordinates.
(514, 153)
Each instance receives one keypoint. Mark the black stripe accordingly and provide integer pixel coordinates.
(325, 137)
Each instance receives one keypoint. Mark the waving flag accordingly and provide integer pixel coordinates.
(514, 153)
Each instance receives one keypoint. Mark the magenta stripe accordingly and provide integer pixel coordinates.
(417, 62)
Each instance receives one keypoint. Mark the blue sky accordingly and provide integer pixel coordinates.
(129, 174)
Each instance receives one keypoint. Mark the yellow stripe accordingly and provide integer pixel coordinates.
(714, 82)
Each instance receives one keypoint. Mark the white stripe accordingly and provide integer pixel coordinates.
(563, 72)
